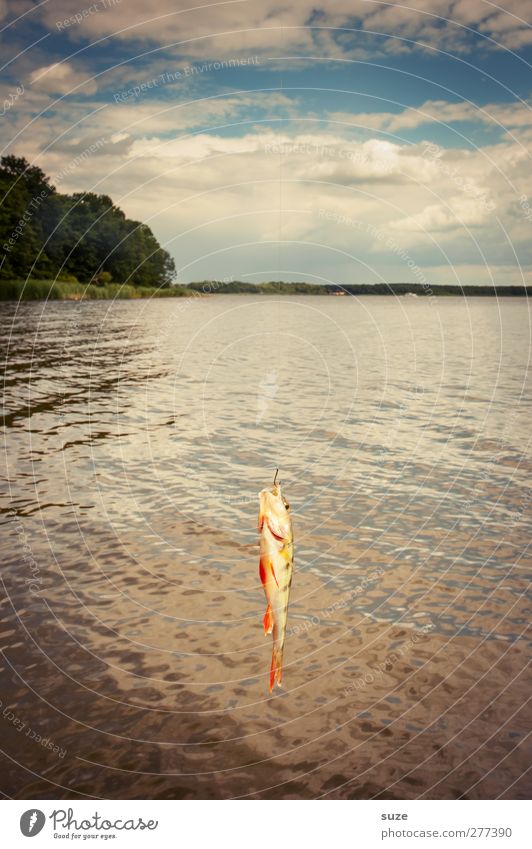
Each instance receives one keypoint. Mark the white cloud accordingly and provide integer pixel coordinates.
(220, 187)
(247, 25)
(439, 218)
(226, 189)
(62, 78)
(505, 116)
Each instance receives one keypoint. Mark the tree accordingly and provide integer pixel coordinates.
(85, 234)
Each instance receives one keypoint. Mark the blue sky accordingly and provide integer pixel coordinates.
(357, 142)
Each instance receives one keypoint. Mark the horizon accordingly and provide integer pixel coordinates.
(390, 283)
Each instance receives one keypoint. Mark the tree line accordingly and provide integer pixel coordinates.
(280, 287)
(83, 236)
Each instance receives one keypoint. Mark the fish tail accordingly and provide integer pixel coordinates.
(276, 669)
(268, 621)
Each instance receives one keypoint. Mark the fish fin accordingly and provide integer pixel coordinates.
(266, 564)
(263, 565)
(268, 621)
(276, 669)
(276, 529)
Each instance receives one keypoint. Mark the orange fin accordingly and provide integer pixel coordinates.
(268, 621)
(276, 669)
(266, 566)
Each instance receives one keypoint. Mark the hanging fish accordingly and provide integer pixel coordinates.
(276, 565)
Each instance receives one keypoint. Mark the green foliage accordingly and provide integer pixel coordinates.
(238, 287)
(14, 290)
(84, 236)
(65, 277)
(274, 287)
(103, 278)
(30, 290)
(33, 290)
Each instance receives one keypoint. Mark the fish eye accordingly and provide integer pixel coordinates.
(286, 504)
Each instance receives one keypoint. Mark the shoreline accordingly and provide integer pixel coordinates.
(58, 290)
(16, 291)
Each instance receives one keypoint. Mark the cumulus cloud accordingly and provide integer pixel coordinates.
(62, 78)
(243, 25)
(210, 174)
(439, 218)
(213, 190)
(503, 116)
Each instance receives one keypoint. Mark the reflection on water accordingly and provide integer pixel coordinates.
(138, 435)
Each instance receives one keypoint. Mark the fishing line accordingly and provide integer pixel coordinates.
(279, 238)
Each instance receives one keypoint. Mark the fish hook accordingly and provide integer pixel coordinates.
(275, 478)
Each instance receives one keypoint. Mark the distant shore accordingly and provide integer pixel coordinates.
(274, 287)
(57, 290)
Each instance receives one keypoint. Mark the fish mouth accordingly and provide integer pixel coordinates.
(269, 496)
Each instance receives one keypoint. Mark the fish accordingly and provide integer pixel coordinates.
(275, 569)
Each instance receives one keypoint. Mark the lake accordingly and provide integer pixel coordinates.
(137, 437)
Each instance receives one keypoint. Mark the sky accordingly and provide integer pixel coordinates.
(349, 142)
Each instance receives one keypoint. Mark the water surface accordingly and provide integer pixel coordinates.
(137, 436)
